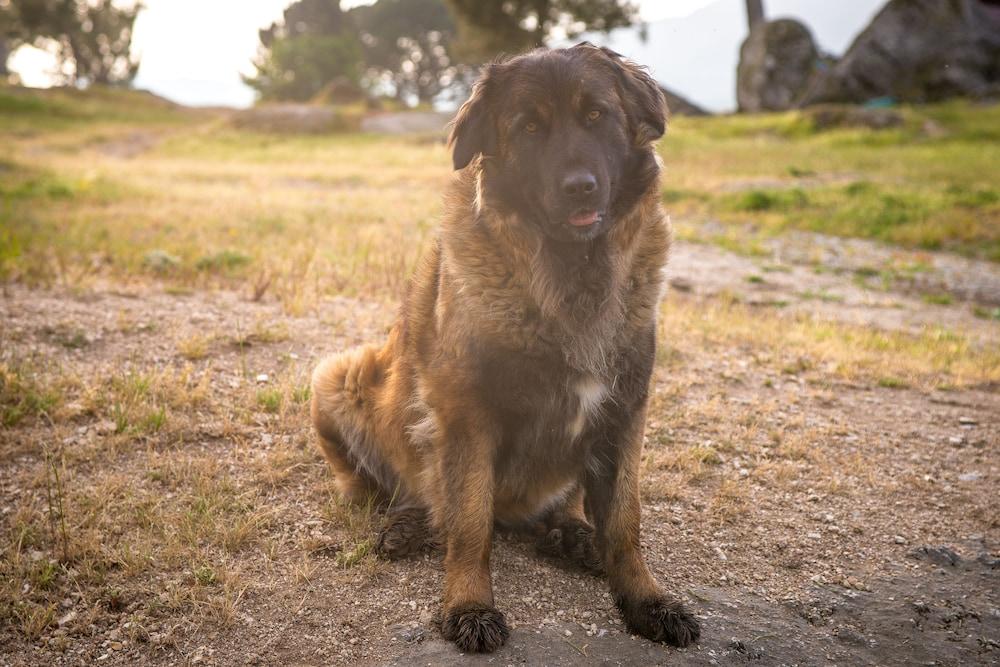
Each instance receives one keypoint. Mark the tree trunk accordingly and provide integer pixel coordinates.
(755, 13)
(4, 54)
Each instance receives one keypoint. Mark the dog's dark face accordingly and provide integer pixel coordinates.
(565, 137)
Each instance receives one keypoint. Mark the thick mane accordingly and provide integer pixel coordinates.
(582, 293)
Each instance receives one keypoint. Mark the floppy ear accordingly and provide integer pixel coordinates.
(473, 131)
(644, 104)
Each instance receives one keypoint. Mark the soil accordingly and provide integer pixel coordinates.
(882, 548)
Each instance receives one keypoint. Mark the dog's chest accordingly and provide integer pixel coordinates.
(545, 444)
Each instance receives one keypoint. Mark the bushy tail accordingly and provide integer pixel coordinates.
(344, 391)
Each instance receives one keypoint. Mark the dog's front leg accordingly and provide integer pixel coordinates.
(612, 499)
(469, 618)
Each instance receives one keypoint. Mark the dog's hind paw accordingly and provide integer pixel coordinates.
(475, 628)
(405, 533)
(574, 541)
(661, 619)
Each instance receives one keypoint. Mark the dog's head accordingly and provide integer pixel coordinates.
(566, 137)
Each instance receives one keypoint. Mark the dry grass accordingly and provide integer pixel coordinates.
(155, 483)
(827, 351)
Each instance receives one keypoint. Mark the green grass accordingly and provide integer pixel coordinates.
(203, 204)
(902, 186)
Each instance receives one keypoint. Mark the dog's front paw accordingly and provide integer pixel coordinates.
(475, 628)
(661, 619)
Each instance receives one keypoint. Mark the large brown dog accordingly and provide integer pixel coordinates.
(513, 387)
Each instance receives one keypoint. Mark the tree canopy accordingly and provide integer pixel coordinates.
(315, 43)
(408, 44)
(93, 38)
(489, 28)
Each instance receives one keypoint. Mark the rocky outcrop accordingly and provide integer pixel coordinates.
(778, 62)
(681, 106)
(919, 51)
(912, 51)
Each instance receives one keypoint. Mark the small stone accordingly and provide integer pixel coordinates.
(67, 618)
(899, 539)
(967, 421)
(956, 440)
(814, 536)
(568, 633)
(262, 378)
(116, 646)
(970, 476)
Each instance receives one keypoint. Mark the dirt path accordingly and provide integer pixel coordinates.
(807, 519)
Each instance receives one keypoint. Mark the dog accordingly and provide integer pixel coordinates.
(513, 387)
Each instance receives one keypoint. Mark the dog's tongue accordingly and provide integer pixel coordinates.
(583, 219)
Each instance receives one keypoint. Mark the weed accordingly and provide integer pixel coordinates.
(270, 399)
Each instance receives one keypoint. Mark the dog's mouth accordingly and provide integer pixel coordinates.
(585, 218)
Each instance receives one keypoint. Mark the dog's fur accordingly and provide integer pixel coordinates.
(514, 386)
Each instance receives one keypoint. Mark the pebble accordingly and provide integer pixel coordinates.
(568, 633)
(970, 476)
(967, 421)
(262, 378)
(899, 539)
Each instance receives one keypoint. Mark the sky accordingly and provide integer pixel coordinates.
(194, 51)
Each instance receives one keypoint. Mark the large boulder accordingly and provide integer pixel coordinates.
(680, 105)
(778, 60)
(919, 51)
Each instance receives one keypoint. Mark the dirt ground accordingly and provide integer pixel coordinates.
(808, 518)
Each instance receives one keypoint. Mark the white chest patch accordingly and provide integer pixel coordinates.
(590, 393)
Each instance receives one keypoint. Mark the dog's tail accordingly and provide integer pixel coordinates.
(345, 390)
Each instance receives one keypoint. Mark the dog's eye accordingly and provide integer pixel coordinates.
(531, 127)
(593, 115)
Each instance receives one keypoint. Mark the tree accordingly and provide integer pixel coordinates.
(408, 44)
(93, 37)
(511, 26)
(755, 13)
(314, 44)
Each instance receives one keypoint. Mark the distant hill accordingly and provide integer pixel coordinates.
(696, 55)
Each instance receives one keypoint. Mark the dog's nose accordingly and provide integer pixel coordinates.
(579, 184)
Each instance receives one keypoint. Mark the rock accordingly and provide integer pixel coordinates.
(294, 119)
(937, 555)
(970, 476)
(681, 106)
(967, 421)
(160, 261)
(918, 51)
(899, 539)
(778, 60)
(834, 116)
(67, 618)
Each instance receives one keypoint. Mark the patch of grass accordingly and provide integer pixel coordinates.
(767, 200)
(195, 346)
(24, 395)
(270, 400)
(932, 357)
(937, 299)
(889, 382)
(986, 313)
(821, 295)
(224, 260)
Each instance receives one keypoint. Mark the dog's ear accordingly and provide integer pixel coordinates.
(645, 106)
(473, 131)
